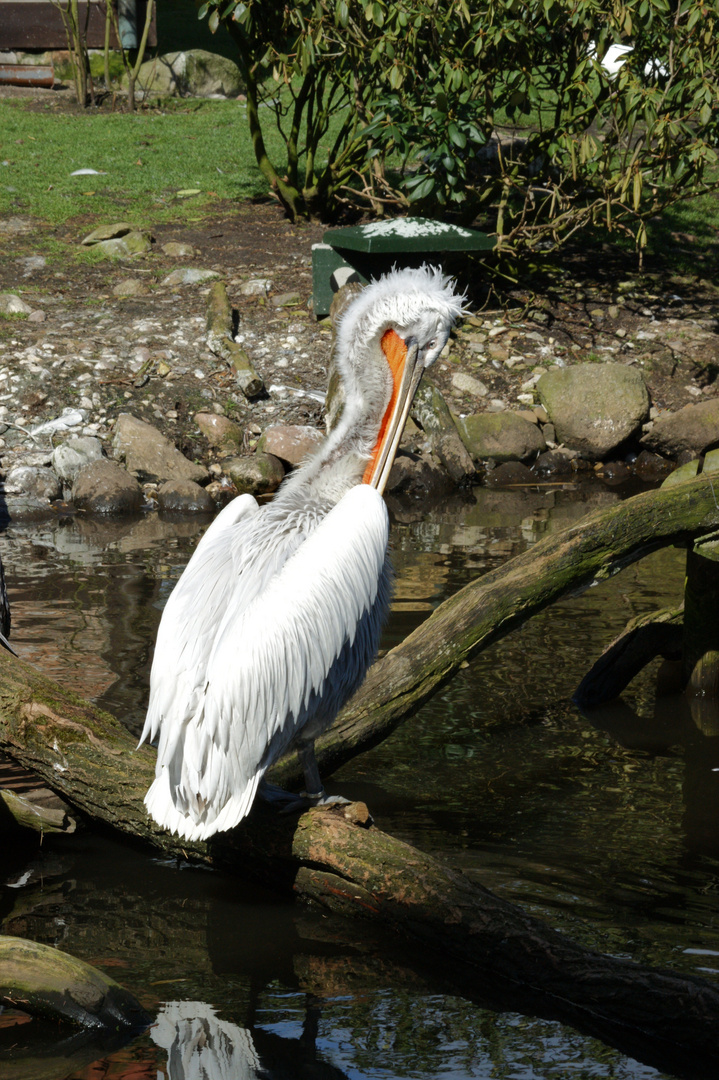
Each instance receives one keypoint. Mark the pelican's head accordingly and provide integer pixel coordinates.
(388, 336)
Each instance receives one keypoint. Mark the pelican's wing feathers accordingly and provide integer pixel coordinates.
(268, 669)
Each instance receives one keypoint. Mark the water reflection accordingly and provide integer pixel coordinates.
(606, 825)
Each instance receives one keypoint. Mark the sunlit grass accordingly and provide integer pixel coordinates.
(144, 160)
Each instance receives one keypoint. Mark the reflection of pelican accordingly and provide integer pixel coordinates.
(278, 614)
(200, 1046)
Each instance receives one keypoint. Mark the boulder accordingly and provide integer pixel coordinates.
(34, 480)
(553, 463)
(109, 232)
(10, 304)
(502, 436)
(256, 474)
(176, 249)
(467, 384)
(511, 474)
(103, 487)
(693, 428)
(418, 475)
(74, 454)
(291, 443)
(131, 287)
(193, 73)
(184, 497)
(431, 411)
(149, 456)
(219, 430)
(594, 407)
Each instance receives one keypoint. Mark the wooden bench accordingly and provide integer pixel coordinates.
(362, 252)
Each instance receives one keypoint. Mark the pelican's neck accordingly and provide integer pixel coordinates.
(340, 462)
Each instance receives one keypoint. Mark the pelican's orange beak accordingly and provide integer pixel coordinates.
(406, 374)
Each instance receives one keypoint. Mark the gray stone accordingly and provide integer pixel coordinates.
(124, 247)
(10, 304)
(189, 276)
(103, 487)
(109, 232)
(130, 287)
(193, 72)
(291, 443)
(185, 497)
(286, 299)
(177, 250)
(417, 475)
(501, 436)
(553, 463)
(149, 456)
(258, 474)
(467, 384)
(74, 454)
(256, 287)
(594, 407)
(694, 428)
(34, 480)
(219, 430)
(431, 411)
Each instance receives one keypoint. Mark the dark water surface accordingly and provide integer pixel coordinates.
(604, 826)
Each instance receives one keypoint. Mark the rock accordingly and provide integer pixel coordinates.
(510, 473)
(594, 407)
(415, 474)
(34, 480)
(615, 472)
(193, 72)
(221, 493)
(109, 232)
(287, 299)
(103, 487)
(74, 454)
(10, 304)
(467, 384)
(291, 443)
(258, 474)
(37, 316)
(219, 430)
(651, 467)
(432, 412)
(149, 456)
(694, 428)
(256, 287)
(177, 250)
(553, 463)
(501, 436)
(124, 247)
(185, 497)
(189, 276)
(130, 287)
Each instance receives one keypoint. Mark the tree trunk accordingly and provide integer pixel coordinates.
(339, 860)
(489, 608)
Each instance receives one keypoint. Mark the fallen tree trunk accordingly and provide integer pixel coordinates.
(492, 606)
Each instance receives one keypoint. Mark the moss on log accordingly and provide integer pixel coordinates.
(491, 607)
(53, 985)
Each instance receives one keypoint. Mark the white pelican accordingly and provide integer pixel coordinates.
(278, 614)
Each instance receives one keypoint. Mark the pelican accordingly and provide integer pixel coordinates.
(278, 614)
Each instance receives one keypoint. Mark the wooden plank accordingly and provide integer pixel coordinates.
(36, 24)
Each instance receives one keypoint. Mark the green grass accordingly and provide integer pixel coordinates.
(147, 158)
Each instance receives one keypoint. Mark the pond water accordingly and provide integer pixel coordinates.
(605, 825)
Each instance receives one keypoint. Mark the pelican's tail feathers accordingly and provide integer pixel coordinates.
(163, 808)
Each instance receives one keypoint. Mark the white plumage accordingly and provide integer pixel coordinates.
(278, 614)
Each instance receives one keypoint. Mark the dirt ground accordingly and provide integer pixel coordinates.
(592, 305)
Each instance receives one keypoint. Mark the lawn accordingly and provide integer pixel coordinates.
(144, 160)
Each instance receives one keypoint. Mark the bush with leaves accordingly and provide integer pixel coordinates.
(501, 108)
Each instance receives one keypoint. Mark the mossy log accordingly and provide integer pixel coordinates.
(492, 606)
(221, 342)
(338, 859)
(700, 657)
(53, 985)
